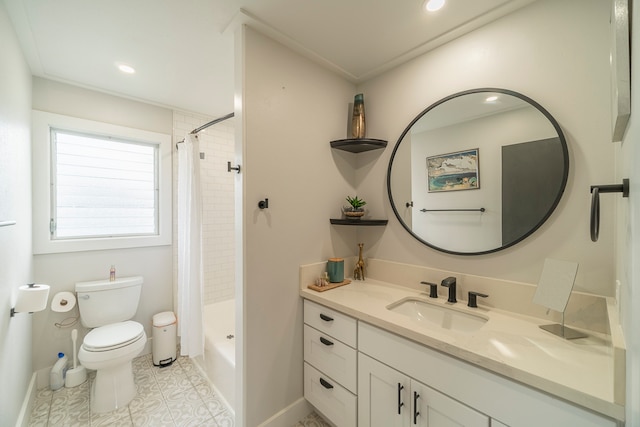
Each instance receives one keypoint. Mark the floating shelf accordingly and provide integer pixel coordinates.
(358, 145)
(369, 222)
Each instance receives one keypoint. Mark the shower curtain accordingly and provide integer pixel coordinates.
(190, 274)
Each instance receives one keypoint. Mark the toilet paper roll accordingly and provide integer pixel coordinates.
(63, 302)
(32, 298)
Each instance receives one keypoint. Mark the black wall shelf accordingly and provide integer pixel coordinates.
(369, 222)
(358, 145)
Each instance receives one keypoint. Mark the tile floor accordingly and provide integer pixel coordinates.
(313, 420)
(177, 395)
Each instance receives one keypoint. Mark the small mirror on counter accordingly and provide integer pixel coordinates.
(553, 292)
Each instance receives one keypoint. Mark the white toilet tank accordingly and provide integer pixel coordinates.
(102, 302)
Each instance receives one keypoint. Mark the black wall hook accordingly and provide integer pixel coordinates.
(595, 203)
(263, 204)
(233, 168)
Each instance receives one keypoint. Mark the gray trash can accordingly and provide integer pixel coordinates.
(163, 345)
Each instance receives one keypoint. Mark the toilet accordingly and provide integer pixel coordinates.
(107, 307)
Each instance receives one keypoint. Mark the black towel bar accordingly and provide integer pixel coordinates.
(453, 210)
(595, 203)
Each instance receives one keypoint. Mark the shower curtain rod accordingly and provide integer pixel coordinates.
(206, 125)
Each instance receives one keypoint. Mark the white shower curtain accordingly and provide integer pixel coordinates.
(190, 275)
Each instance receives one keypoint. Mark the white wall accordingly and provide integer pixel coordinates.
(15, 204)
(555, 52)
(292, 109)
(62, 271)
(218, 240)
(628, 239)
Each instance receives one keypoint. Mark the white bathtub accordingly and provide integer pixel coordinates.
(219, 360)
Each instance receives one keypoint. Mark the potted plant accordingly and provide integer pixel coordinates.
(355, 209)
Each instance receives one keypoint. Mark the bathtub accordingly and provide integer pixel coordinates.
(219, 360)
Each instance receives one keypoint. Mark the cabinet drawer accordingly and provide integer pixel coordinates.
(331, 357)
(331, 322)
(334, 401)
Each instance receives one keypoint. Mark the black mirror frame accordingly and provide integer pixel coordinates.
(565, 176)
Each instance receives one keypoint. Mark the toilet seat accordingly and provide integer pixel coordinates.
(113, 336)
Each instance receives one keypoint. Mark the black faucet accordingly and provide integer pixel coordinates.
(450, 282)
(473, 298)
(433, 289)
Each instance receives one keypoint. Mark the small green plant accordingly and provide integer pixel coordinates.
(355, 202)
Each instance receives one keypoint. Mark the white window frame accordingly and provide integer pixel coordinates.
(42, 122)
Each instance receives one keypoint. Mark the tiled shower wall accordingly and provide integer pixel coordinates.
(217, 144)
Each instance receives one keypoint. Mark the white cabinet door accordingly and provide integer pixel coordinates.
(388, 398)
(383, 395)
(433, 409)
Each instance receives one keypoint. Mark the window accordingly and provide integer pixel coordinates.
(102, 187)
(98, 186)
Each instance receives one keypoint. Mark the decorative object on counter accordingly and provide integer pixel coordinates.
(323, 280)
(553, 292)
(358, 272)
(355, 210)
(595, 203)
(328, 286)
(357, 121)
(335, 270)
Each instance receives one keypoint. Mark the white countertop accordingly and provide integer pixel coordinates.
(580, 371)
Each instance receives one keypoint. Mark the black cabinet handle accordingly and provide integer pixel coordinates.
(326, 318)
(325, 341)
(415, 407)
(400, 402)
(325, 384)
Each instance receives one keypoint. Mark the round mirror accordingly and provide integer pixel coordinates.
(478, 171)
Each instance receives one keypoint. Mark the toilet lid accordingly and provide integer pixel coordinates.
(113, 336)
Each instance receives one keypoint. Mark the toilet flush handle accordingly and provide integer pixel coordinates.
(83, 296)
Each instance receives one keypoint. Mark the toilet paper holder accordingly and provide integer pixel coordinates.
(32, 305)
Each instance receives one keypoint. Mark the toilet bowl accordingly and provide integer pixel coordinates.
(109, 350)
(106, 306)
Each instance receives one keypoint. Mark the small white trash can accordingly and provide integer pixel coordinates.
(163, 345)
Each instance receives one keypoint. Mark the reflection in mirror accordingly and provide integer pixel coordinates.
(478, 171)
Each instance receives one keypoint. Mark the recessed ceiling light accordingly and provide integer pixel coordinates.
(491, 99)
(127, 69)
(433, 5)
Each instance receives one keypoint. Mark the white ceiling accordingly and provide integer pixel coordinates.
(182, 50)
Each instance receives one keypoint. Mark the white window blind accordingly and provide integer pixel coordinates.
(102, 186)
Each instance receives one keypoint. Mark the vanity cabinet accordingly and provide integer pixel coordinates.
(389, 398)
(356, 374)
(330, 363)
(504, 402)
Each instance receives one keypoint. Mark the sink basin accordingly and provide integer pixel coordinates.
(430, 315)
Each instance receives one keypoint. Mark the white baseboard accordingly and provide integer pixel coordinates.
(290, 415)
(27, 403)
